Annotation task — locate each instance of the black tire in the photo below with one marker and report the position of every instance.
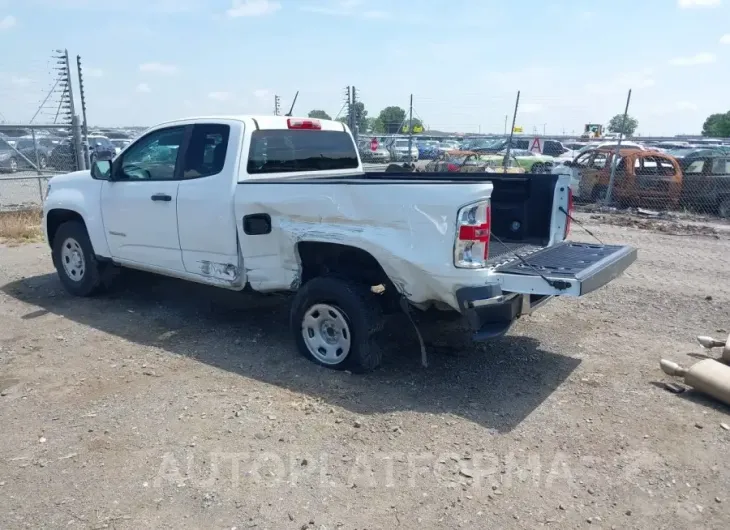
(361, 311)
(90, 278)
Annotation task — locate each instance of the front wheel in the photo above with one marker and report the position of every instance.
(75, 260)
(334, 320)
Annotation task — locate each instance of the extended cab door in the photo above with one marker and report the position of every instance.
(139, 204)
(206, 215)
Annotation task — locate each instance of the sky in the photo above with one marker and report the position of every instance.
(148, 61)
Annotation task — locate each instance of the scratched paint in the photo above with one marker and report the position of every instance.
(221, 271)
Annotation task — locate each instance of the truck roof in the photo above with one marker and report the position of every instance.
(263, 121)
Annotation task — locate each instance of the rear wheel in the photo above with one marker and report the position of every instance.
(334, 320)
(75, 261)
(13, 164)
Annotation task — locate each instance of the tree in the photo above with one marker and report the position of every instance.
(616, 122)
(390, 120)
(717, 126)
(319, 114)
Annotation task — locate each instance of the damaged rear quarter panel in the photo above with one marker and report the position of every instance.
(408, 227)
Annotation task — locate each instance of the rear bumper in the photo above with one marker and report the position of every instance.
(490, 312)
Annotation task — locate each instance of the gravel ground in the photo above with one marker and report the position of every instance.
(169, 405)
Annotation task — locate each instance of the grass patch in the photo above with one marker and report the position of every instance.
(21, 226)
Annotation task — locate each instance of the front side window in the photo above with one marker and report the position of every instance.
(285, 150)
(153, 157)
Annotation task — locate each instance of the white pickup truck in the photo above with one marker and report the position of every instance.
(274, 203)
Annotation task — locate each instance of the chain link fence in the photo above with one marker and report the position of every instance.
(29, 156)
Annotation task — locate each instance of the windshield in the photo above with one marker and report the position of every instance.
(401, 143)
(281, 151)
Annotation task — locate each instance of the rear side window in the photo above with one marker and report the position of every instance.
(283, 151)
(206, 153)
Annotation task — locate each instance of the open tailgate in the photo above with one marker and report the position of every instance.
(567, 268)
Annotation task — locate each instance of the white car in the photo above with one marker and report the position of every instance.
(281, 204)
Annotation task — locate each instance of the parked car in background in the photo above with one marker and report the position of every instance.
(101, 148)
(381, 155)
(471, 162)
(119, 144)
(8, 156)
(531, 162)
(642, 177)
(448, 145)
(706, 183)
(36, 153)
(625, 145)
(428, 149)
(63, 156)
(398, 148)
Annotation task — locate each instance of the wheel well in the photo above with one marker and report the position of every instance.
(56, 218)
(322, 259)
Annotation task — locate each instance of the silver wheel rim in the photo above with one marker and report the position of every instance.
(13, 164)
(72, 259)
(42, 162)
(326, 333)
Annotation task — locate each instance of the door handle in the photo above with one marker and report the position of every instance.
(161, 197)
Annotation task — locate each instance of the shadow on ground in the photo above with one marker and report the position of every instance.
(496, 384)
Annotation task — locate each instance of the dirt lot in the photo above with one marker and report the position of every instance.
(174, 406)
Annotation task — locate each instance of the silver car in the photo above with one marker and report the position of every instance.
(381, 155)
(399, 150)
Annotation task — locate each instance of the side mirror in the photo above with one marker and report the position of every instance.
(101, 170)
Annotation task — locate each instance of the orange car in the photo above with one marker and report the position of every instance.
(641, 176)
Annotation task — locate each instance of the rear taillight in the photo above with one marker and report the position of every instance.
(471, 249)
(570, 213)
(452, 168)
(296, 123)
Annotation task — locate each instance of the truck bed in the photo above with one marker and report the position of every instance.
(522, 203)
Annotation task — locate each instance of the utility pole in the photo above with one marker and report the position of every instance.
(85, 124)
(355, 127)
(505, 123)
(614, 162)
(410, 131)
(64, 66)
(348, 105)
(511, 133)
(277, 106)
